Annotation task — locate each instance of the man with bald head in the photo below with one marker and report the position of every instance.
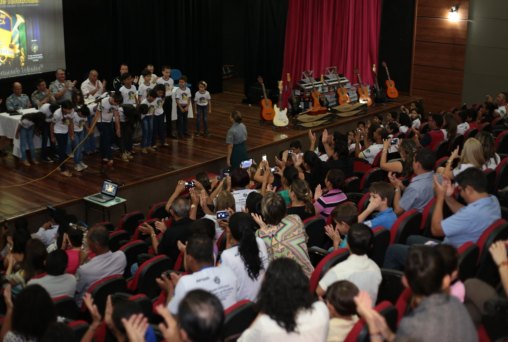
(92, 88)
(17, 100)
(60, 88)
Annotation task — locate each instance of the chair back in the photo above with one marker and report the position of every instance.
(144, 279)
(391, 286)
(157, 211)
(380, 245)
(468, 259)
(131, 250)
(407, 224)
(324, 265)
(238, 318)
(101, 289)
(130, 221)
(118, 238)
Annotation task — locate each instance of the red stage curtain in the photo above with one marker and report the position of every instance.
(323, 33)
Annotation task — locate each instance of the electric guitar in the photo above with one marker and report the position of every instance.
(379, 95)
(280, 119)
(363, 91)
(267, 113)
(391, 91)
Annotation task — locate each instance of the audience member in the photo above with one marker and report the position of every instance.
(343, 216)
(301, 200)
(287, 310)
(404, 166)
(326, 200)
(436, 134)
(373, 143)
(340, 300)
(71, 244)
(103, 264)
(471, 156)
(200, 318)
(56, 281)
(28, 317)
(357, 268)
(451, 263)
(420, 190)
(239, 181)
(381, 199)
(246, 255)
(284, 235)
(199, 263)
(492, 159)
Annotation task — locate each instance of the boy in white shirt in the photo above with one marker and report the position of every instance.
(145, 84)
(203, 105)
(159, 128)
(183, 102)
(168, 83)
(106, 116)
(130, 99)
(80, 120)
(62, 128)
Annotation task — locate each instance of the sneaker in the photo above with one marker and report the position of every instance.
(48, 160)
(125, 157)
(25, 162)
(144, 150)
(66, 173)
(151, 149)
(130, 156)
(154, 147)
(165, 144)
(115, 147)
(83, 165)
(79, 168)
(70, 155)
(196, 134)
(110, 163)
(132, 152)
(35, 162)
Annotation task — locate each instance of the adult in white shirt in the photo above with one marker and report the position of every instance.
(105, 263)
(92, 88)
(288, 311)
(248, 257)
(357, 268)
(239, 180)
(46, 233)
(199, 261)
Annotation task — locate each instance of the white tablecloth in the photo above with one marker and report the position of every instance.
(8, 126)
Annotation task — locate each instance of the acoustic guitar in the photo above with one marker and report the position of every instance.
(316, 105)
(342, 95)
(391, 91)
(363, 91)
(280, 119)
(267, 113)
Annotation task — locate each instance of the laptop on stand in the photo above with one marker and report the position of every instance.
(108, 192)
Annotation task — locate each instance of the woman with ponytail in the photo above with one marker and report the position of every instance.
(301, 200)
(246, 256)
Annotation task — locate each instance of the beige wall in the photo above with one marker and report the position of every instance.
(486, 70)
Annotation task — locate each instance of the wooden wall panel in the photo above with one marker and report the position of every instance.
(439, 30)
(439, 52)
(438, 79)
(440, 55)
(436, 9)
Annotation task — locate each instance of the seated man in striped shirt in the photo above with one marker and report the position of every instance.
(332, 196)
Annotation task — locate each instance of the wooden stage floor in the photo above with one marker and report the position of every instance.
(17, 199)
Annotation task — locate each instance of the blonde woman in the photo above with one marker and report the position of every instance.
(471, 156)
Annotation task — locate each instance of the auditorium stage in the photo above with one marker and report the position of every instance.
(151, 178)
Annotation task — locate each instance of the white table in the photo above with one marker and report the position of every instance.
(8, 126)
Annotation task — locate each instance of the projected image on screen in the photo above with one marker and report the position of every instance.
(31, 37)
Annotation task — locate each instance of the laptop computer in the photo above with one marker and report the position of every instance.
(108, 192)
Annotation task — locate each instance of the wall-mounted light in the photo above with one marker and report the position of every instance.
(453, 15)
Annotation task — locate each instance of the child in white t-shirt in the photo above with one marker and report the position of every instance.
(183, 99)
(147, 121)
(203, 106)
(130, 99)
(159, 127)
(168, 83)
(80, 120)
(146, 84)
